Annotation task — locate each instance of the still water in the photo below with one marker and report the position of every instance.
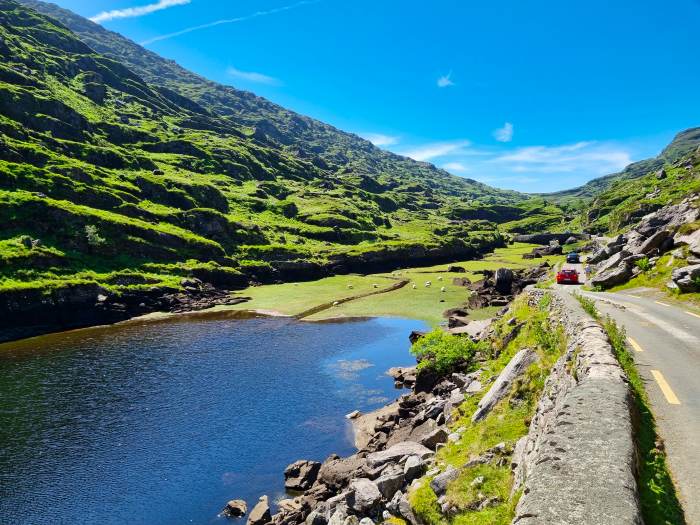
(162, 423)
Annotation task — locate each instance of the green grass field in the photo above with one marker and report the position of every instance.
(425, 303)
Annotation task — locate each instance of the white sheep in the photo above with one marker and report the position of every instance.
(443, 289)
(349, 286)
(427, 284)
(414, 287)
(440, 278)
(335, 303)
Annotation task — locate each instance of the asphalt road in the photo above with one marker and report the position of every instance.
(665, 341)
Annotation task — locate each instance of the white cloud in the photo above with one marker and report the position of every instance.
(131, 12)
(504, 134)
(379, 139)
(455, 166)
(445, 81)
(592, 157)
(223, 21)
(436, 149)
(252, 76)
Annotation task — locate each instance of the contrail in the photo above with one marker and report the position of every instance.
(257, 14)
(130, 12)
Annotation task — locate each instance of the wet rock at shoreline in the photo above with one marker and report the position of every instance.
(235, 508)
(260, 515)
(301, 475)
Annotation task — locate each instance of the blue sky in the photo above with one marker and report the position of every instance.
(533, 96)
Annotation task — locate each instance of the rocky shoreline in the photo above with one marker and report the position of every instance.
(396, 445)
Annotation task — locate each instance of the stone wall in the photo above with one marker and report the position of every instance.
(577, 465)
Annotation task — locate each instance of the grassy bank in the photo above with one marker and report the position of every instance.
(507, 423)
(425, 303)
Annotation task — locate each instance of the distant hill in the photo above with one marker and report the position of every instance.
(682, 144)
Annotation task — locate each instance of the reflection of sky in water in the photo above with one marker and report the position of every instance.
(163, 423)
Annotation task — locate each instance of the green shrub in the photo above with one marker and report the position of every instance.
(93, 236)
(443, 352)
(644, 264)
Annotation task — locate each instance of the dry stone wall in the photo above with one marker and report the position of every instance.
(577, 465)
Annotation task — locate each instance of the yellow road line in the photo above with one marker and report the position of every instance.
(665, 388)
(662, 304)
(693, 314)
(634, 344)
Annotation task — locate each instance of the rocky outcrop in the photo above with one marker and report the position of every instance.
(500, 287)
(654, 235)
(260, 515)
(500, 388)
(583, 426)
(687, 279)
(301, 475)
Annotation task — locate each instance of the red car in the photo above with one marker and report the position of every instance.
(567, 277)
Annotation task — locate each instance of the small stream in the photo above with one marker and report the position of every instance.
(162, 423)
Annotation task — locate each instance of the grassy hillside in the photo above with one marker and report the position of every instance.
(683, 143)
(107, 175)
(626, 201)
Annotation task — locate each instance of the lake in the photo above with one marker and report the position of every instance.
(163, 422)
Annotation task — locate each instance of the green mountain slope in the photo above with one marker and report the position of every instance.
(107, 177)
(625, 201)
(682, 144)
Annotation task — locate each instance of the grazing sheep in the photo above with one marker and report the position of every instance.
(443, 289)
(349, 286)
(427, 284)
(440, 278)
(335, 303)
(414, 287)
(375, 285)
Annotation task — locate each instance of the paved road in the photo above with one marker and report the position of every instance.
(665, 339)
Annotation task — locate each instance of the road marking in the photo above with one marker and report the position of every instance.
(634, 344)
(662, 304)
(663, 385)
(693, 314)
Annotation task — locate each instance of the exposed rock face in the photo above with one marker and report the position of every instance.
(517, 365)
(655, 234)
(441, 481)
(583, 424)
(364, 496)
(398, 451)
(546, 238)
(687, 279)
(301, 475)
(260, 515)
(235, 508)
(500, 288)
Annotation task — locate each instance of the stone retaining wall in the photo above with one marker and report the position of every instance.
(577, 465)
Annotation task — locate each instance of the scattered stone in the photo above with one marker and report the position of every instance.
(439, 483)
(397, 452)
(235, 508)
(364, 496)
(687, 278)
(434, 438)
(390, 481)
(260, 515)
(517, 366)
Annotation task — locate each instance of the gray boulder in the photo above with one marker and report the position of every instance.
(504, 280)
(235, 508)
(396, 452)
(613, 261)
(413, 468)
(613, 277)
(336, 472)
(687, 279)
(652, 243)
(364, 496)
(260, 515)
(517, 365)
(440, 482)
(435, 438)
(301, 475)
(390, 481)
